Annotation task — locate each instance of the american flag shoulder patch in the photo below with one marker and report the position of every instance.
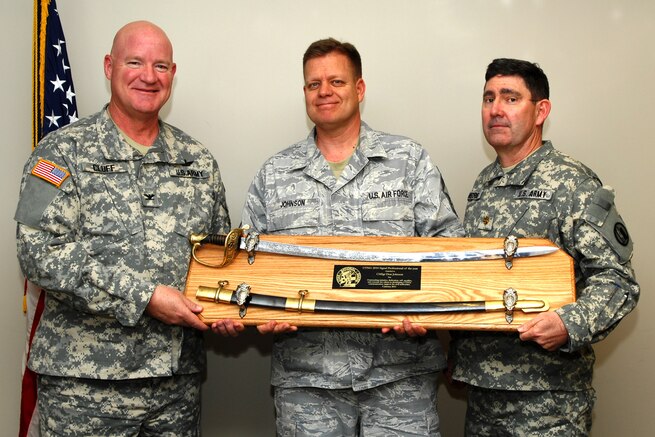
(50, 172)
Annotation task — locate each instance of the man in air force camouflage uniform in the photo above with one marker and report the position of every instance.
(347, 179)
(105, 211)
(537, 382)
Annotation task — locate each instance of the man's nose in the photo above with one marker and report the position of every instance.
(496, 108)
(148, 74)
(325, 89)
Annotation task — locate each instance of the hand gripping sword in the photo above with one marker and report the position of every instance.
(251, 243)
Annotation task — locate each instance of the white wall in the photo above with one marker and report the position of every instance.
(238, 89)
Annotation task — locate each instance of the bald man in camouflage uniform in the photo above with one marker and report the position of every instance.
(537, 382)
(348, 179)
(105, 211)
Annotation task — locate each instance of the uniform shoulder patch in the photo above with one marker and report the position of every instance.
(50, 172)
(603, 216)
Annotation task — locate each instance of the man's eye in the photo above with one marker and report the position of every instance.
(312, 86)
(133, 64)
(488, 100)
(512, 100)
(161, 68)
(338, 82)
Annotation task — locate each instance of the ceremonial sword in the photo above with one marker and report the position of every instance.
(251, 243)
(243, 298)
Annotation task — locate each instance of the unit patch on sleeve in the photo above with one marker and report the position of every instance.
(50, 172)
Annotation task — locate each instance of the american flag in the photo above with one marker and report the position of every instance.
(54, 106)
(50, 172)
(54, 93)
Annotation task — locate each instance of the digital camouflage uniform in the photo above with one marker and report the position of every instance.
(389, 187)
(548, 195)
(99, 243)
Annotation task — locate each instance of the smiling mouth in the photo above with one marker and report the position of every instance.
(145, 90)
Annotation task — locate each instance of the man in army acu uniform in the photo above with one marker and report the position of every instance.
(537, 382)
(348, 179)
(105, 211)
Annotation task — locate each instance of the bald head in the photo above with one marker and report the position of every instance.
(137, 29)
(140, 68)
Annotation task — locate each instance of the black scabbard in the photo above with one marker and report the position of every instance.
(397, 307)
(303, 304)
(244, 298)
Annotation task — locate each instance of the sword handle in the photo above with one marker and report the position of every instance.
(215, 239)
(230, 243)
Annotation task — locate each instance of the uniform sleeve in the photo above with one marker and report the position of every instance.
(254, 210)
(606, 287)
(434, 213)
(51, 256)
(221, 217)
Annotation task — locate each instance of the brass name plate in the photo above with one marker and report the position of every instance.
(381, 277)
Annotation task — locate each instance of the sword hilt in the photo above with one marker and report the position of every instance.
(215, 239)
(230, 243)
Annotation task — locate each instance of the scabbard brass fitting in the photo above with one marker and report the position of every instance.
(216, 295)
(300, 303)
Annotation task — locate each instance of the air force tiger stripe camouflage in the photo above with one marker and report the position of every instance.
(389, 187)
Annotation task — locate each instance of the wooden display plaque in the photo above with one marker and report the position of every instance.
(547, 277)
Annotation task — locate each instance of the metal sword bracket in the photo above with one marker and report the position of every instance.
(243, 298)
(223, 295)
(251, 242)
(510, 297)
(510, 245)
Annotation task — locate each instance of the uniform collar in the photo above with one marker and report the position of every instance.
(311, 159)
(520, 174)
(115, 148)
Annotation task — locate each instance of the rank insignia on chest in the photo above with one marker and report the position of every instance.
(150, 199)
(50, 172)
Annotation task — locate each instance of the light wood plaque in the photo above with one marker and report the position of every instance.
(547, 277)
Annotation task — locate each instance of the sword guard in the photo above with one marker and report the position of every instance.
(510, 245)
(230, 243)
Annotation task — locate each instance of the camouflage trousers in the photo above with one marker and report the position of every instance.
(403, 408)
(167, 406)
(502, 413)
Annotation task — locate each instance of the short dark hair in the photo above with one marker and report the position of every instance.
(326, 46)
(534, 77)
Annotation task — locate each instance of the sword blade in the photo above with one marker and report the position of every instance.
(395, 257)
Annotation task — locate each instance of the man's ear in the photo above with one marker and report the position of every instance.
(543, 109)
(360, 86)
(108, 66)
